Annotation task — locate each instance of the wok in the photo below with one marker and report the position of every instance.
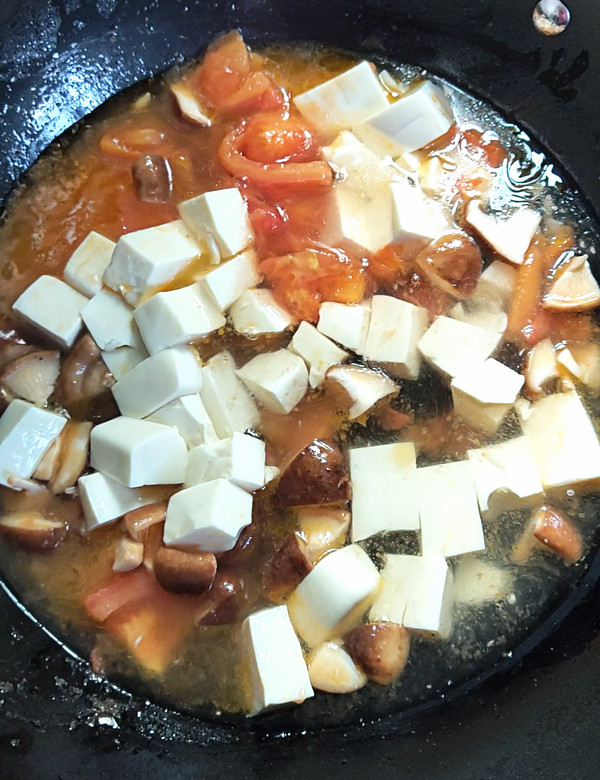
(533, 714)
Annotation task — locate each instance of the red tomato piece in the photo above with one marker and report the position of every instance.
(257, 93)
(273, 137)
(483, 147)
(123, 589)
(225, 68)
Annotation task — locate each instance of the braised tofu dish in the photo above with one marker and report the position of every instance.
(300, 375)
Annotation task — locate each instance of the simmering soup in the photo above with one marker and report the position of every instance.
(300, 370)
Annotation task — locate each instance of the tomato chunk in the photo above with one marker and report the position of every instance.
(123, 589)
(225, 68)
(274, 137)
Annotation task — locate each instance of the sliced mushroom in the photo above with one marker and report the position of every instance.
(48, 465)
(574, 288)
(128, 555)
(286, 569)
(12, 343)
(587, 357)
(242, 555)
(138, 521)
(364, 386)
(552, 529)
(541, 367)
(218, 605)
(453, 263)
(33, 376)
(33, 531)
(380, 649)
(153, 179)
(317, 475)
(72, 458)
(322, 530)
(180, 571)
(189, 105)
(332, 670)
(85, 381)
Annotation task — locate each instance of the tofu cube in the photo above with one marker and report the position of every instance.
(121, 360)
(138, 452)
(220, 220)
(110, 321)
(410, 123)
(364, 386)
(499, 278)
(505, 477)
(240, 459)
(452, 346)
(278, 670)
(189, 416)
(450, 521)
(414, 216)
(563, 441)
(256, 312)
(229, 405)
(343, 101)
(347, 324)
(157, 381)
(332, 598)
(54, 308)
(278, 380)
(416, 592)
(86, 266)
(395, 330)
(225, 284)
(360, 214)
(383, 489)
(318, 352)
(177, 317)
(105, 500)
(145, 260)
(26, 433)
(209, 516)
(509, 237)
(484, 393)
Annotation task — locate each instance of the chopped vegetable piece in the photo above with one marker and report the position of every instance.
(552, 529)
(317, 475)
(332, 669)
(180, 571)
(574, 288)
(33, 531)
(380, 650)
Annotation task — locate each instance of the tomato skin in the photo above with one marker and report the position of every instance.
(274, 137)
(301, 281)
(489, 150)
(124, 589)
(257, 93)
(225, 68)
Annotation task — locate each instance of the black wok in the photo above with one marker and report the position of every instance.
(535, 714)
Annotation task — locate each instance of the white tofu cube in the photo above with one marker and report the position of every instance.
(226, 283)
(256, 312)
(110, 321)
(121, 360)
(209, 516)
(158, 380)
(347, 324)
(26, 433)
(278, 670)
(54, 308)
(394, 332)
(365, 387)
(416, 592)
(450, 521)
(317, 351)
(509, 237)
(410, 123)
(189, 416)
(360, 215)
(343, 101)
(477, 581)
(499, 278)
(334, 595)
(278, 380)
(240, 459)
(483, 312)
(228, 403)
(505, 476)
(383, 489)
(563, 441)
(414, 216)
(86, 266)
(105, 500)
(145, 260)
(220, 219)
(138, 452)
(177, 317)
(452, 346)
(484, 393)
